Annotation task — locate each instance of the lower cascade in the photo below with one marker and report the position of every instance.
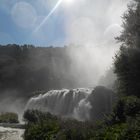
(82, 104)
(7, 133)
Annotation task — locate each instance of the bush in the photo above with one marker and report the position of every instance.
(122, 131)
(49, 127)
(35, 116)
(9, 118)
(44, 130)
(126, 107)
(44, 126)
(40, 126)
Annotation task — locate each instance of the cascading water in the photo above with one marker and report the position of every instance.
(7, 133)
(76, 103)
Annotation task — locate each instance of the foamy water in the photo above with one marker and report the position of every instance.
(11, 133)
(76, 103)
(62, 102)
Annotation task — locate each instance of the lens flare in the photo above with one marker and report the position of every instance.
(48, 16)
(51, 12)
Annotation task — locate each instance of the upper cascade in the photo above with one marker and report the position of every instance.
(76, 103)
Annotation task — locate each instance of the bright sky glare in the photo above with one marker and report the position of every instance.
(68, 1)
(47, 17)
(65, 2)
(59, 22)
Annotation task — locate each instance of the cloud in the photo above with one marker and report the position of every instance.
(24, 14)
(94, 24)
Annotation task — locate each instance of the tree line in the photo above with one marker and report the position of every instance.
(27, 68)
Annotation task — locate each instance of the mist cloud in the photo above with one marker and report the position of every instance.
(87, 20)
(94, 24)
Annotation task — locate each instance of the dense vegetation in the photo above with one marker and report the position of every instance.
(127, 62)
(9, 118)
(124, 121)
(42, 126)
(27, 69)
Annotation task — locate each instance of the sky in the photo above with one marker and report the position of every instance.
(70, 21)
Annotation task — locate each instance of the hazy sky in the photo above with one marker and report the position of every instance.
(73, 21)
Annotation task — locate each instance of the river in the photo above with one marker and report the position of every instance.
(7, 133)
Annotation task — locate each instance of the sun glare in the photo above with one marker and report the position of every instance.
(68, 1)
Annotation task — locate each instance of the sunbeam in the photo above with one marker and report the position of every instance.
(47, 17)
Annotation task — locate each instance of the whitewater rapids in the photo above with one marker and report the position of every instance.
(82, 104)
(7, 133)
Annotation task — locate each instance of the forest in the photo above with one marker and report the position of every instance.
(28, 69)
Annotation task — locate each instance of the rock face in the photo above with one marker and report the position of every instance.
(82, 104)
(101, 100)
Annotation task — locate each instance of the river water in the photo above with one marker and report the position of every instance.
(7, 133)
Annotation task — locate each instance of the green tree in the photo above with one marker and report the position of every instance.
(127, 61)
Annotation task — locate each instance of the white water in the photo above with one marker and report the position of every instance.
(66, 103)
(76, 103)
(11, 133)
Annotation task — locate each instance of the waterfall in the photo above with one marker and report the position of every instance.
(75, 103)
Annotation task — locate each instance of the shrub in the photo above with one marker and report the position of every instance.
(40, 126)
(126, 107)
(8, 118)
(53, 128)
